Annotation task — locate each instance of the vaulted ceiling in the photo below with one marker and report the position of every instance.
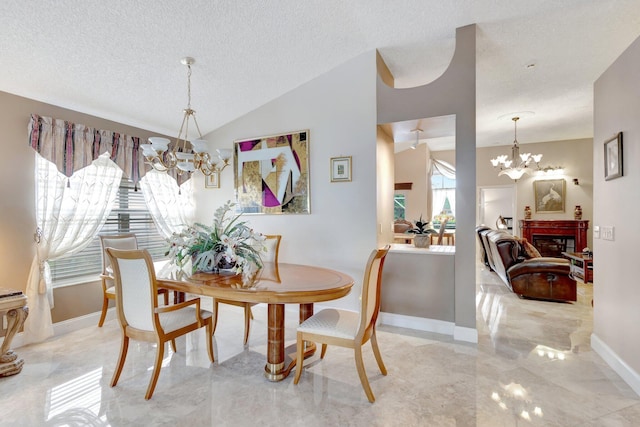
(120, 59)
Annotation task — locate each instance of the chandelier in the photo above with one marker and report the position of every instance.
(518, 164)
(180, 156)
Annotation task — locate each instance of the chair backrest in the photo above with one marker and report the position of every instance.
(443, 226)
(269, 270)
(272, 243)
(371, 290)
(117, 241)
(136, 288)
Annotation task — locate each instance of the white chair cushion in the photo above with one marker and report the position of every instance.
(174, 320)
(332, 322)
(111, 290)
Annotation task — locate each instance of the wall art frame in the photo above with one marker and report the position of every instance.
(550, 195)
(272, 174)
(213, 180)
(341, 169)
(613, 166)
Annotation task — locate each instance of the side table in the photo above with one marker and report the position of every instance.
(581, 265)
(14, 303)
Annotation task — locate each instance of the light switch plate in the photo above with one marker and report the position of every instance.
(596, 231)
(607, 232)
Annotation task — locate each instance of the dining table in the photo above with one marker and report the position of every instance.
(275, 285)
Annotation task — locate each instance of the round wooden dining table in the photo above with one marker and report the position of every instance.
(275, 285)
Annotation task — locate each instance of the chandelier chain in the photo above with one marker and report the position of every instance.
(185, 155)
(189, 86)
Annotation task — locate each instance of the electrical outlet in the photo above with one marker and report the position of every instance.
(607, 232)
(596, 231)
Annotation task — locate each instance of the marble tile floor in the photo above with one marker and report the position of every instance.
(533, 365)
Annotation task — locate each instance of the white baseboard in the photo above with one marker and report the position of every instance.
(417, 323)
(465, 334)
(67, 326)
(621, 368)
(85, 321)
(459, 333)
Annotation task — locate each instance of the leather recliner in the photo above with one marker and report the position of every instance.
(543, 278)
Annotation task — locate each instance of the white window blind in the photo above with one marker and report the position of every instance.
(129, 215)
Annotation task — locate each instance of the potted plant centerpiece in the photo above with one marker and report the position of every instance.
(226, 244)
(422, 233)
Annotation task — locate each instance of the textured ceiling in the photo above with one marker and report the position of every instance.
(120, 59)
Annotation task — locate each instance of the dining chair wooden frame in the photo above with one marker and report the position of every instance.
(117, 241)
(248, 314)
(347, 328)
(158, 324)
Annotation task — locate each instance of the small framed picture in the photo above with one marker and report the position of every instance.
(613, 157)
(213, 180)
(341, 169)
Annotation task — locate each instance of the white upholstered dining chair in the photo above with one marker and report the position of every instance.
(347, 328)
(272, 243)
(140, 316)
(118, 241)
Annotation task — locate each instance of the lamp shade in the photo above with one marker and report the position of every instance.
(225, 153)
(159, 143)
(199, 145)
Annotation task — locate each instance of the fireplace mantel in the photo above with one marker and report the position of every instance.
(556, 229)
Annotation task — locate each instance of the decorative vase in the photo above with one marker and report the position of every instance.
(577, 213)
(422, 240)
(527, 212)
(223, 264)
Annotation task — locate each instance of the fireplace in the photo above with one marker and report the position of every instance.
(553, 246)
(552, 237)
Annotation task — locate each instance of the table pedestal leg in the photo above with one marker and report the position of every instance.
(9, 362)
(274, 369)
(279, 361)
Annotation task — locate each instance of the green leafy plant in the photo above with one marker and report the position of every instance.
(422, 227)
(228, 242)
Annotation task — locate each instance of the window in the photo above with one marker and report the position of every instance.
(129, 215)
(444, 198)
(399, 206)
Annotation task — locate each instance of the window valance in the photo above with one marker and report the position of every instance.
(72, 146)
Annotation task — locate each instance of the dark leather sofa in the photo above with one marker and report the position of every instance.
(527, 276)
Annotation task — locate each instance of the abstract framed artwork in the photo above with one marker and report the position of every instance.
(613, 157)
(549, 195)
(272, 174)
(340, 169)
(213, 180)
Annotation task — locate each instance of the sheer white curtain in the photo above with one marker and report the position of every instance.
(171, 207)
(69, 213)
(438, 196)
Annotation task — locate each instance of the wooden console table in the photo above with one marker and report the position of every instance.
(581, 265)
(550, 236)
(14, 303)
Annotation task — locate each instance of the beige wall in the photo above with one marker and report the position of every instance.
(17, 203)
(576, 156)
(411, 166)
(616, 294)
(385, 170)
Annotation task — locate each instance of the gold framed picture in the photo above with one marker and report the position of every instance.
(341, 169)
(549, 195)
(213, 180)
(272, 174)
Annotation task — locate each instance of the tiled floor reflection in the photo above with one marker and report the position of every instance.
(533, 365)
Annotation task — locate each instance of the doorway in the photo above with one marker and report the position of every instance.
(495, 202)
